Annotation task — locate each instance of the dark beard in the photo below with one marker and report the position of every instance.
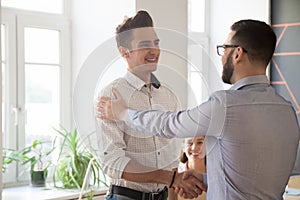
(228, 69)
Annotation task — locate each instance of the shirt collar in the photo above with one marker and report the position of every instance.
(137, 83)
(250, 80)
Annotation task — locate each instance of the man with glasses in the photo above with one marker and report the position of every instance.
(251, 133)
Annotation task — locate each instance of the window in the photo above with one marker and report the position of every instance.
(35, 79)
(49, 6)
(196, 16)
(4, 62)
(198, 51)
(42, 82)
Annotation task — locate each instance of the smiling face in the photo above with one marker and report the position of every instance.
(144, 52)
(195, 148)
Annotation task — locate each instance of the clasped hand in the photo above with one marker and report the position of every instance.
(189, 184)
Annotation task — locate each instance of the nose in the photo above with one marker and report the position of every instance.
(193, 147)
(196, 148)
(154, 50)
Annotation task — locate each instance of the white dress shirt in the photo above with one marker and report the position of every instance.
(118, 144)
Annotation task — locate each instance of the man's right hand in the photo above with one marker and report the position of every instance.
(189, 184)
(111, 109)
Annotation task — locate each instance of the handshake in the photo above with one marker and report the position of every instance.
(188, 184)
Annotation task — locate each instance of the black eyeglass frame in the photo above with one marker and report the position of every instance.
(225, 46)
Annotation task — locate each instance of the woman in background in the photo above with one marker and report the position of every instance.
(192, 156)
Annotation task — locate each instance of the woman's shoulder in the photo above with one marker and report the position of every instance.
(182, 167)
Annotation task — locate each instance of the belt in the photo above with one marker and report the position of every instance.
(138, 195)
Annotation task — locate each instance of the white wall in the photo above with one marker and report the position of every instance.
(172, 14)
(223, 14)
(94, 22)
(93, 26)
(171, 17)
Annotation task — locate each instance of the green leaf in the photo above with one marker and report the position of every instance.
(73, 160)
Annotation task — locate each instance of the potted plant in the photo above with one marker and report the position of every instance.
(39, 161)
(73, 161)
(9, 156)
(36, 156)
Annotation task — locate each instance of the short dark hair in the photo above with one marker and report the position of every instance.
(257, 37)
(140, 20)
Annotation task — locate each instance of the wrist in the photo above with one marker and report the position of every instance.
(173, 179)
(122, 115)
(164, 177)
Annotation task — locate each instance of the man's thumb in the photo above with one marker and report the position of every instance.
(116, 93)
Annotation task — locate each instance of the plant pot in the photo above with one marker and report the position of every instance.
(38, 178)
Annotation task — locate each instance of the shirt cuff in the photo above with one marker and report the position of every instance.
(129, 113)
(205, 179)
(115, 169)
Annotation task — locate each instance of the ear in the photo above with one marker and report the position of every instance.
(237, 55)
(124, 51)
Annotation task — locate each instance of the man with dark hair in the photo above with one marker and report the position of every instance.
(141, 167)
(251, 133)
(140, 20)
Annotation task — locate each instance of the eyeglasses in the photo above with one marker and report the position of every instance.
(221, 48)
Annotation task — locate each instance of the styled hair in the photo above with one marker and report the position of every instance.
(257, 37)
(140, 20)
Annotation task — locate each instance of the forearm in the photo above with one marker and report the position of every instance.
(168, 124)
(191, 186)
(138, 173)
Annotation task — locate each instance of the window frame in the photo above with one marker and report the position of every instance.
(200, 39)
(16, 21)
(10, 90)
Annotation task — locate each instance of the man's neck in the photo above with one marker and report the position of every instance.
(146, 77)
